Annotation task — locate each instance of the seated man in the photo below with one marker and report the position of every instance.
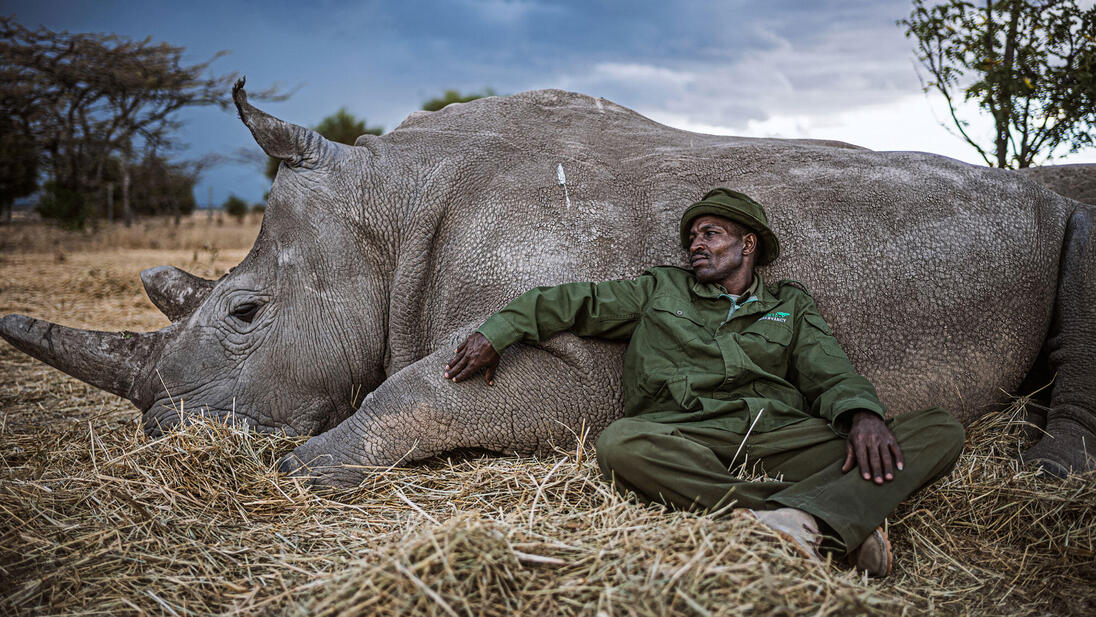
(722, 369)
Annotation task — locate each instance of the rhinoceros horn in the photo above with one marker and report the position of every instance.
(113, 361)
(175, 292)
(292, 144)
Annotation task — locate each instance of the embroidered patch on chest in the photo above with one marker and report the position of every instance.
(780, 316)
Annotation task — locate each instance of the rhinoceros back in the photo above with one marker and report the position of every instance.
(918, 262)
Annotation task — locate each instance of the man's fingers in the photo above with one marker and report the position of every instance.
(468, 370)
(456, 368)
(888, 465)
(899, 462)
(862, 460)
(876, 449)
(850, 458)
(458, 355)
(489, 375)
(876, 464)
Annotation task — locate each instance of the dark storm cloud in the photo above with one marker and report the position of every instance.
(718, 63)
(797, 58)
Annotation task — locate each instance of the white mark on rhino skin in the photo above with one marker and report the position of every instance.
(563, 182)
(288, 256)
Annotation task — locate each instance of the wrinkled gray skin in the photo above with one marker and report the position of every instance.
(942, 280)
(1077, 181)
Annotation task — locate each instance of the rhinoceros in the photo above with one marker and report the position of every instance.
(946, 283)
(1076, 181)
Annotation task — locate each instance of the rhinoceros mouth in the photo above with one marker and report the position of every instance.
(166, 415)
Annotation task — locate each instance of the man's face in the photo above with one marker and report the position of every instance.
(718, 248)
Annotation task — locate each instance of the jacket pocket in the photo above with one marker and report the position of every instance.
(767, 346)
(671, 308)
(678, 389)
(669, 328)
(772, 332)
(665, 395)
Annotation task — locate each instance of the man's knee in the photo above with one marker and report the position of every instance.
(610, 445)
(616, 447)
(951, 430)
(938, 428)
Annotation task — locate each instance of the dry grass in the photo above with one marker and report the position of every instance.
(96, 518)
(194, 232)
(97, 290)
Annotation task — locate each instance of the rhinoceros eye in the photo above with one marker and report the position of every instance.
(246, 311)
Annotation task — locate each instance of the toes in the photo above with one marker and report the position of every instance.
(288, 465)
(1046, 461)
(1050, 468)
(320, 471)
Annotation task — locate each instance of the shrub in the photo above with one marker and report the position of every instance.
(67, 207)
(235, 207)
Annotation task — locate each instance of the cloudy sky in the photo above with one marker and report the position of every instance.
(834, 69)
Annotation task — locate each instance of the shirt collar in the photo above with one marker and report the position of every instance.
(714, 290)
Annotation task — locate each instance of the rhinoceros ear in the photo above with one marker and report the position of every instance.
(295, 145)
(175, 292)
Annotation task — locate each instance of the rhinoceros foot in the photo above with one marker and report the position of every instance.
(317, 468)
(289, 464)
(1063, 450)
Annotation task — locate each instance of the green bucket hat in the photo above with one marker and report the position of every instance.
(740, 209)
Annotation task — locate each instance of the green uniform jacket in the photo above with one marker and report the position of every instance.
(692, 358)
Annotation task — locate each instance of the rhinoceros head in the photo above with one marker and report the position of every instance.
(291, 339)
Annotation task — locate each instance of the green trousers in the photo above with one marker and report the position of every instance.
(686, 466)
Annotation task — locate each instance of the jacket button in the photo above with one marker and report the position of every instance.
(680, 313)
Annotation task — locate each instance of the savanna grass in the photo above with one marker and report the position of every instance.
(193, 232)
(98, 518)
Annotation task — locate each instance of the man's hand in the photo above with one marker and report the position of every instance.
(872, 447)
(473, 354)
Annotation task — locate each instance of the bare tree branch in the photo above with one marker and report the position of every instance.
(90, 99)
(1029, 64)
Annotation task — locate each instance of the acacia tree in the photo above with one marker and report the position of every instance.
(1029, 64)
(19, 153)
(87, 97)
(454, 96)
(342, 127)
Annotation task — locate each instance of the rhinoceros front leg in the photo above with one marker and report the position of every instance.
(1070, 440)
(542, 397)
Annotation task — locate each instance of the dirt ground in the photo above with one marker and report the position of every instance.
(96, 518)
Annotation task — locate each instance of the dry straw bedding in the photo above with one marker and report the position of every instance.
(96, 518)
(99, 519)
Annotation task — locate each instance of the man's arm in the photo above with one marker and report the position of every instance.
(607, 310)
(823, 372)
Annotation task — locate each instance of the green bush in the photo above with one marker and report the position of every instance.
(67, 207)
(236, 207)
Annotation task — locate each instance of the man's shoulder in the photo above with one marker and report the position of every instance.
(671, 279)
(673, 273)
(787, 289)
(784, 287)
